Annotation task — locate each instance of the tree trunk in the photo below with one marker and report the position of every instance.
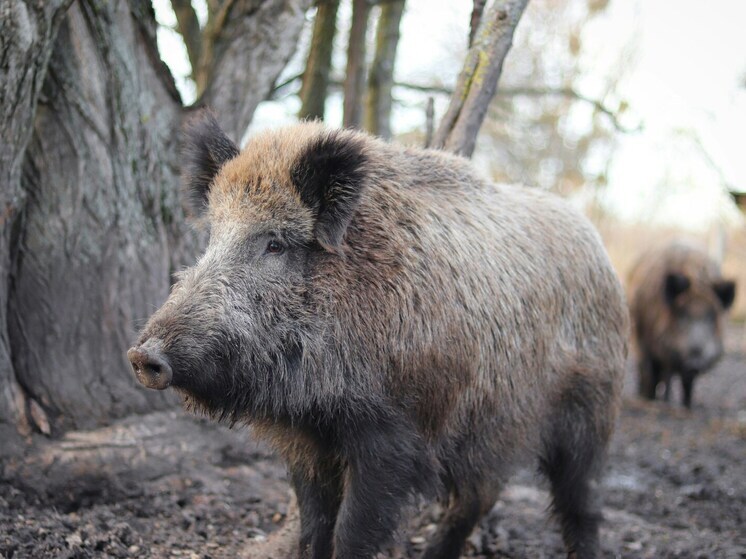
(93, 255)
(477, 82)
(27, 32)
(245, 53)
(316, 76)
(354, 85)
(92, 223)
(381, 79)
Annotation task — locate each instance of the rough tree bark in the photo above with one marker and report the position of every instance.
(27, 32)
(93, 254)
(381, 78)
(316, 76)
(94, 227)
(477, 82)
(354, 84)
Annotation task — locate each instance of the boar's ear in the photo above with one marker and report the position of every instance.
(725, 291)
(675, 285)
(330, 175)
(205, 149)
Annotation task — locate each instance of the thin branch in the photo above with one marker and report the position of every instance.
(187, 25)
(504, 92)
(429, 121)
(210, 36)
(477, 82)
(476, 18)
(572, 94)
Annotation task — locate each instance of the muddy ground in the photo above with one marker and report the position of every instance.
(168, 485)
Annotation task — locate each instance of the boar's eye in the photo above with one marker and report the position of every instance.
(274, 247)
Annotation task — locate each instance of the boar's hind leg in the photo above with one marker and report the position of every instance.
(572, 459)
(318, 487)
(387, 465)
(465, 508)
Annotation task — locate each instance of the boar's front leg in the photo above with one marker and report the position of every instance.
(687, 384)
(318, 488)
(387, 465)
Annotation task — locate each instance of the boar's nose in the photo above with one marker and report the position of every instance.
(151, 367)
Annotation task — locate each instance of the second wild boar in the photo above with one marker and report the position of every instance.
(678, 300)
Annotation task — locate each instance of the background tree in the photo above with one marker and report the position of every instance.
(381, 78)
(354, 82)
(315, 80)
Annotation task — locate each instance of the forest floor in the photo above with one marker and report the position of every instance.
(169, 485)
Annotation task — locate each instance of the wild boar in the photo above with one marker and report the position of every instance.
(395, 326)
(678, 300)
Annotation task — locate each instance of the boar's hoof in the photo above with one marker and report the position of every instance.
(151, 367)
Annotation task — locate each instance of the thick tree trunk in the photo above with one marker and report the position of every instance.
(381, 79)
(27, 32)
(92, 223)
(316, 76)
(92, 254)
(354, 85)
(477, 82)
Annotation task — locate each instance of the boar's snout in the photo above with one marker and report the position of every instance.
(151, 366)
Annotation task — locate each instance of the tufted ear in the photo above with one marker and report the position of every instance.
(330, 175)
(205, 149)
(675, 285)
(725, 291)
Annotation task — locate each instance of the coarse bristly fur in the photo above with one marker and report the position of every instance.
(678, 300)
(396, 325)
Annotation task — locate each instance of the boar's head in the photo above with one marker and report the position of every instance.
(694, 336)
(243, 328)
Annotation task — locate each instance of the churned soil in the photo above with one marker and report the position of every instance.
(169, 485)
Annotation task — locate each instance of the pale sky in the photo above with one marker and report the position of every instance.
(684, 80)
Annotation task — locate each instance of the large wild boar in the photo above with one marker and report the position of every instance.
(678, 301)
(395, 326)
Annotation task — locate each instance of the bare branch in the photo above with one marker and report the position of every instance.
(318, 65)
(429, 121)
(215, 27)
(477, 82)
(476, 18)
(187, 25)
(504, 92)
(573, 94)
